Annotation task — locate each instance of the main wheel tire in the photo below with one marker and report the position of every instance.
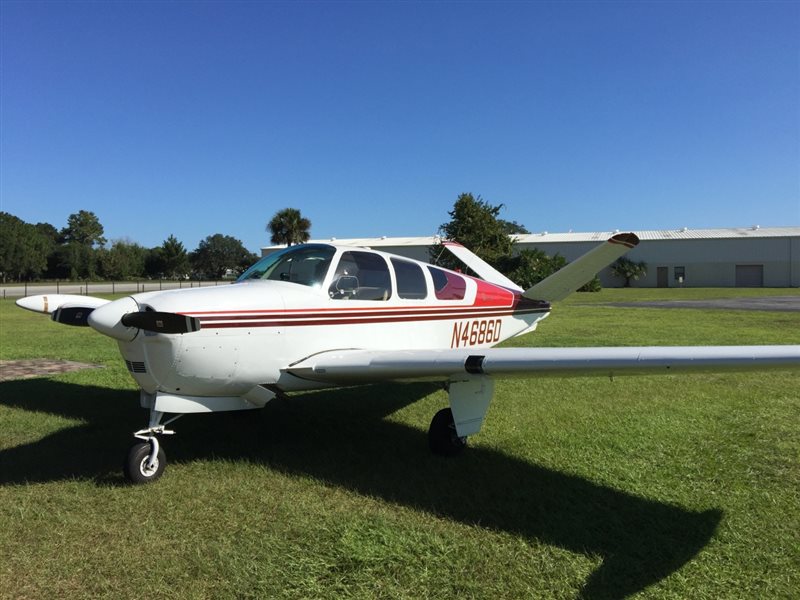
(136, 469)
(442, 436)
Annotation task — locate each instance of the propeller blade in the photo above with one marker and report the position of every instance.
(161, 322)
(73, 315)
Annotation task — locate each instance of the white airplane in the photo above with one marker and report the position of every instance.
(318, 315)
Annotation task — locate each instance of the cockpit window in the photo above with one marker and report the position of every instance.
(361, 276)
(306, 264)
(448, 286)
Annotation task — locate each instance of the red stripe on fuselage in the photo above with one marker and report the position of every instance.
(354, 316)
(277, 322)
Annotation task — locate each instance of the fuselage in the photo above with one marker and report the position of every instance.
(312, 299)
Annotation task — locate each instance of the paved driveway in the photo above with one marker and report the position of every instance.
(19, 291)
(771, 303)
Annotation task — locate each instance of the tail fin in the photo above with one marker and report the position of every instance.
(565, 281)
(481, 267)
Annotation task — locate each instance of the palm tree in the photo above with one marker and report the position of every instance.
(289, 227)
(629, 269)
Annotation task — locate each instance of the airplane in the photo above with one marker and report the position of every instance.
(317, 316)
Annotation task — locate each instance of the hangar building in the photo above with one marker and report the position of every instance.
(746, 257)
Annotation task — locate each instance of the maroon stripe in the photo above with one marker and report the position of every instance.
(264, 322)
(467, 310)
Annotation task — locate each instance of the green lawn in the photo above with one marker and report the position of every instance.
(662, 487)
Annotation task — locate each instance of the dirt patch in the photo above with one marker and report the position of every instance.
(39, 367)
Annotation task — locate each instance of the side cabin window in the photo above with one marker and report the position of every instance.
(305, 265)
(448, 286)
(361, 276)
(410, 280)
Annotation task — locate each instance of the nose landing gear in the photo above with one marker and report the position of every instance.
(146, 459)
(144, 462)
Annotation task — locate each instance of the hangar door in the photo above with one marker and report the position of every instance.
(662, 276)
(749, 275)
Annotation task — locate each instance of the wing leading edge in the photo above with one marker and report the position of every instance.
(365, 366)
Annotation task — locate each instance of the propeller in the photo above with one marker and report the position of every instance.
(73, 315)
(161, 322)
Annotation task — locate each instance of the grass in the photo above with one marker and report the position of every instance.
(658, 487)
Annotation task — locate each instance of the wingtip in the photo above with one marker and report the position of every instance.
(626, 239)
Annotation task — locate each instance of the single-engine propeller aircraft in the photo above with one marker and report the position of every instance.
(318, 315)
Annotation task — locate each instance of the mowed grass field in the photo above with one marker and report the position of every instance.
(657, 487)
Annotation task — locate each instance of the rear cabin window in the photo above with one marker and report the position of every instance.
(361, 276)
(448, 286)
(410, 280)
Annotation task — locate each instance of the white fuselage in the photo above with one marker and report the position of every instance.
(254, 330)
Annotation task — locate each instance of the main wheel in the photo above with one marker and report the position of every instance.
(137, 469)
(442, 436)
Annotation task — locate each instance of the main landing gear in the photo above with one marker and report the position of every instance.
(146, 459)
(469, 398)
(442, 437)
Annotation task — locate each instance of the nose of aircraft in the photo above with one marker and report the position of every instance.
(107, 319)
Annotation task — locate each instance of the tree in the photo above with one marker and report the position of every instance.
(169, 260)
(530, 266)
(593, 285)
(289, 227)
(512, 227)
(23, 248)
(474, 224)
(218, 254)
(73, 261)
(77, 258)
(124, 260)
(49, 232)
(629, 269)
(83, 228)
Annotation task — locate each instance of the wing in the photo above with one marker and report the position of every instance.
(345, 367)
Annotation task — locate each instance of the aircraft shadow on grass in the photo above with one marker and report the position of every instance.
(342, 438)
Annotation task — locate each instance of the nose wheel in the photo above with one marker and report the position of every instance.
(144, 463)
(146, 459)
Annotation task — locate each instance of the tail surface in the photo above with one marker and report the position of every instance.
(561, 283)
(565, 281)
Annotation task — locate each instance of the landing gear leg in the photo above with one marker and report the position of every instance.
(469, 398)
(146, 459)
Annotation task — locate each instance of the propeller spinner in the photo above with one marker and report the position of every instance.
(122, 319)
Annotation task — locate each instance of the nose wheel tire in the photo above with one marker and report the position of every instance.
(138, 467)
(442, 436)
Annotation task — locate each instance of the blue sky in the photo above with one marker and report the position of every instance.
(195, 118)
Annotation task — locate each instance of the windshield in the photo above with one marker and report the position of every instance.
(306, 264)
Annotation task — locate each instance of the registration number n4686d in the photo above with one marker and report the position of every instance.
(474, 333)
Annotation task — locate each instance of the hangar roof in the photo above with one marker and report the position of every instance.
(667, 234)
(597, 236)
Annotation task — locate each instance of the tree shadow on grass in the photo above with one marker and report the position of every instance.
(343, 439)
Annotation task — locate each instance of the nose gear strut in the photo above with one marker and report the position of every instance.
(146, 459)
